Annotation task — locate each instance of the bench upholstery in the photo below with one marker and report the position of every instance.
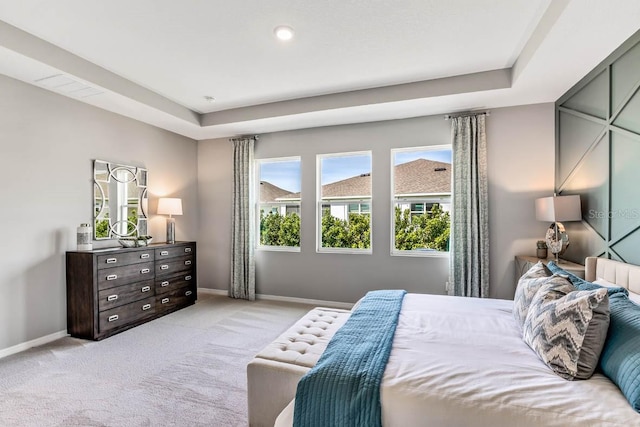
(273, 374)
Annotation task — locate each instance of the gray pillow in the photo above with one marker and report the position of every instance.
(567, 328)
(527, 287)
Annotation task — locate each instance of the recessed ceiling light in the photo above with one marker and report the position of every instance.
(209, 98)
(283, 32)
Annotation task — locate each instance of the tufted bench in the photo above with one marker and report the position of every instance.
(273, 374)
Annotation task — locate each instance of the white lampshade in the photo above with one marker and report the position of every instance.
(169, 206)
(559, 208)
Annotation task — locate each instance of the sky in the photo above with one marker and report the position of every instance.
(286, 174)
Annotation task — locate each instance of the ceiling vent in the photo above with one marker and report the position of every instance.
(68, 86)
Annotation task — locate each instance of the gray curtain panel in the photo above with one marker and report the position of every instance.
(469, 251)
(243, 277)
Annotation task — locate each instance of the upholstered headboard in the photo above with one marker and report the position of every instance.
(620, 273)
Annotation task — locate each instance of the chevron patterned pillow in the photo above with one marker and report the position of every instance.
(527, 287)
(567, 328)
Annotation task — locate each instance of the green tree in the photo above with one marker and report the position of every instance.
(428, 231)
(279, 230)
(102, 228)
(289, 234)
(338, 233)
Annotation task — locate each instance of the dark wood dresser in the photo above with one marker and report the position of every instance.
(109, 291)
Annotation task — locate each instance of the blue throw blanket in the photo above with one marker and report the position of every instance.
(343, 389)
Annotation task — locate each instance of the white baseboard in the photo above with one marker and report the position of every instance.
(213, 291)
(33, 343)
(317, 302)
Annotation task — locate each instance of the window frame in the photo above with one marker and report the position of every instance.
(342, 201)
(423, 198)
(257, 165)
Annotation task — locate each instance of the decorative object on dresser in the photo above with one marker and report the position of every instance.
(556, 209)
(170, 206)
(109, 291)
(541, 249)
(524, 263)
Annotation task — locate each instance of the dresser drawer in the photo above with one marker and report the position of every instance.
(174, 265)
(121, 295)
(117, 276)
(176, 298)
(175, 251)
(167, 284)
(117, 259)
(121, 316)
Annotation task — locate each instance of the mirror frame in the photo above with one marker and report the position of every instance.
(130, 185)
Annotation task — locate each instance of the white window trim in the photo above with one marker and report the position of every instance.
(437, 197)
(320, 201)
(257, 163)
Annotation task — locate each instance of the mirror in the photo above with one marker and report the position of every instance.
(119, 200)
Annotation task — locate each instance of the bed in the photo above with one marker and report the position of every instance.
(462, 362)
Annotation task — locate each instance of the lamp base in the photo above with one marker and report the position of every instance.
(171, 230)
(557, 240)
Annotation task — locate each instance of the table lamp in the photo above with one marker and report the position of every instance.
(170, 206)
(557, 209)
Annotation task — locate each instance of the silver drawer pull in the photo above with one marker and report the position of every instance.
(146, 288)
(164, 300)
(144, 256)
(187, 262)
(188, 293)
(112, 297)
(113, 318)
(187, 249)
(112, 260)
(165, 283)
(146, 307)
(144, 271)
(112, 277)
(164, 267)
(187, 277)
(164, 252)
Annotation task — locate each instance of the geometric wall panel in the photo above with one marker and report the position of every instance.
(607, 177)
(615, 256)
(591, 182)
(624, 76)
(627, 248)
(592, 99)
(629, 118)
(577, 135)
(625, 185)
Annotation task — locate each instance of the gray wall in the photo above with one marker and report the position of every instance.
(598, 153)
(520, 150)
(48, 143)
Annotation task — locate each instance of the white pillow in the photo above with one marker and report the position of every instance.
(607, 284)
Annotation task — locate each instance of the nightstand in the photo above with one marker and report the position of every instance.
(524, 263)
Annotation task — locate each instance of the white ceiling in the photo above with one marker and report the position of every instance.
(350, 60)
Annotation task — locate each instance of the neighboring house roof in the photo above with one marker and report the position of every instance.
(271, 193)
(350, 187)
(418, 177)
(423, 176)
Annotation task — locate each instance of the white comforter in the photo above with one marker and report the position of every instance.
(462, 362)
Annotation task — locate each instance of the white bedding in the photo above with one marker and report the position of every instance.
(462, 362)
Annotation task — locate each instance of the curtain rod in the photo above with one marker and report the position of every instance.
(467, 114)
(244, 137)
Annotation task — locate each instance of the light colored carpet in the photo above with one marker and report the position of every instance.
(184, 369)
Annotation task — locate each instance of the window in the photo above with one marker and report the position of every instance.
(421, 200)
(344, 202)
(278, 207)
